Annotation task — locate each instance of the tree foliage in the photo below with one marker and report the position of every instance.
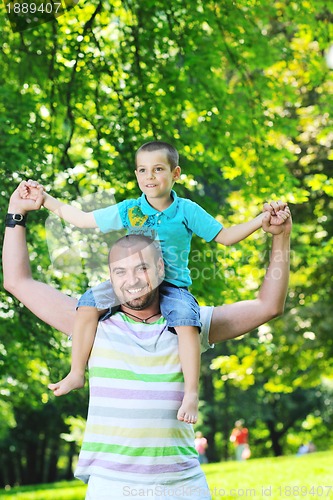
(241, 88)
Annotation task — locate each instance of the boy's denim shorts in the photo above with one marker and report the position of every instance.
(100, 296)
(178, 306)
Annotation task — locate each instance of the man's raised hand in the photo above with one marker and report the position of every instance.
(27, 197)
(30, 190)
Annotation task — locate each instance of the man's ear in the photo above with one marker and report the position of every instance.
(160, 268)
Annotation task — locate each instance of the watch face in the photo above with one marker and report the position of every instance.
(18, 217)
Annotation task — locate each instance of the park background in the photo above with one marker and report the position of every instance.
(243, 90)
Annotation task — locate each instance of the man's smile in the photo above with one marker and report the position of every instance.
(135, 291)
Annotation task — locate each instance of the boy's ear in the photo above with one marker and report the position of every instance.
(176, 173)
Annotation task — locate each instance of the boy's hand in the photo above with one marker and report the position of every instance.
(277, 222)
(278, 210)
(30, 190)
(22, 205)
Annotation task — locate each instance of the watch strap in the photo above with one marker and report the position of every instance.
(13, 220)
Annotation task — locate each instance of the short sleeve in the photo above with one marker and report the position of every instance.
(206, 313)
(201, 222)
(109, 218)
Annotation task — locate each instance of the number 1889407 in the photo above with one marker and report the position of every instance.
(33, 8)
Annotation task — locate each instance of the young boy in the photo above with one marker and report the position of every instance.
(174, 220)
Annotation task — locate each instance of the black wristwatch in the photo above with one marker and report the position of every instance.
(13, 220)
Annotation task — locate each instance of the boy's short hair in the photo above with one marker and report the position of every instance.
(172, 153)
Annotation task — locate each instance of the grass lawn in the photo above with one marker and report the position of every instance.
(65, 490)
(306, 477)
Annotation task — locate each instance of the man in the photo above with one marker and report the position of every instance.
(133, 444)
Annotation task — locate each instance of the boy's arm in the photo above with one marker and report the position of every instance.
(69, 213)
(231, 235)
(232, 320)
(234, 234)
(29, 190)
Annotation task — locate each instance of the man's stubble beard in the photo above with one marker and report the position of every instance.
(141, 303)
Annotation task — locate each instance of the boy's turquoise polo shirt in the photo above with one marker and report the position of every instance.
(173, 228)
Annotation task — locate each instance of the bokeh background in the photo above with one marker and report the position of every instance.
(243, 89)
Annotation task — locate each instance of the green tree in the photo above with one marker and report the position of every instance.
(241, 88)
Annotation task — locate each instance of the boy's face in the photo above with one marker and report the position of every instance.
(154, 174)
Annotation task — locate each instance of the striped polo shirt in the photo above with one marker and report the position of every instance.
(136, 387)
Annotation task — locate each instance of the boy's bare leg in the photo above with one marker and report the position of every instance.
(85, 325)
(189, 354)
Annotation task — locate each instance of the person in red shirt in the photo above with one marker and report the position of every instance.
(201, 445)
(240, 438)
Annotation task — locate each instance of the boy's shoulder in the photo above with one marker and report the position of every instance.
(185, 202)
(130, 202)
(180, 199)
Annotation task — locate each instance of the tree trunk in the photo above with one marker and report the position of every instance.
(275, 438)
(208, 389)
(53, 460)
(71, 454)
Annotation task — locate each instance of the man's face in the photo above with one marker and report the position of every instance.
(135, 275)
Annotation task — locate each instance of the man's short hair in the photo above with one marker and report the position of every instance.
(138, 240)
(171, 152)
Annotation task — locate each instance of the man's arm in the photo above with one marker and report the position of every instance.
(48, 304)
(232, 320)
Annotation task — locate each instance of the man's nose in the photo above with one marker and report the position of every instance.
(131, 277)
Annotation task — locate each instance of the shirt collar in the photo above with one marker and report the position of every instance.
(170, 212)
